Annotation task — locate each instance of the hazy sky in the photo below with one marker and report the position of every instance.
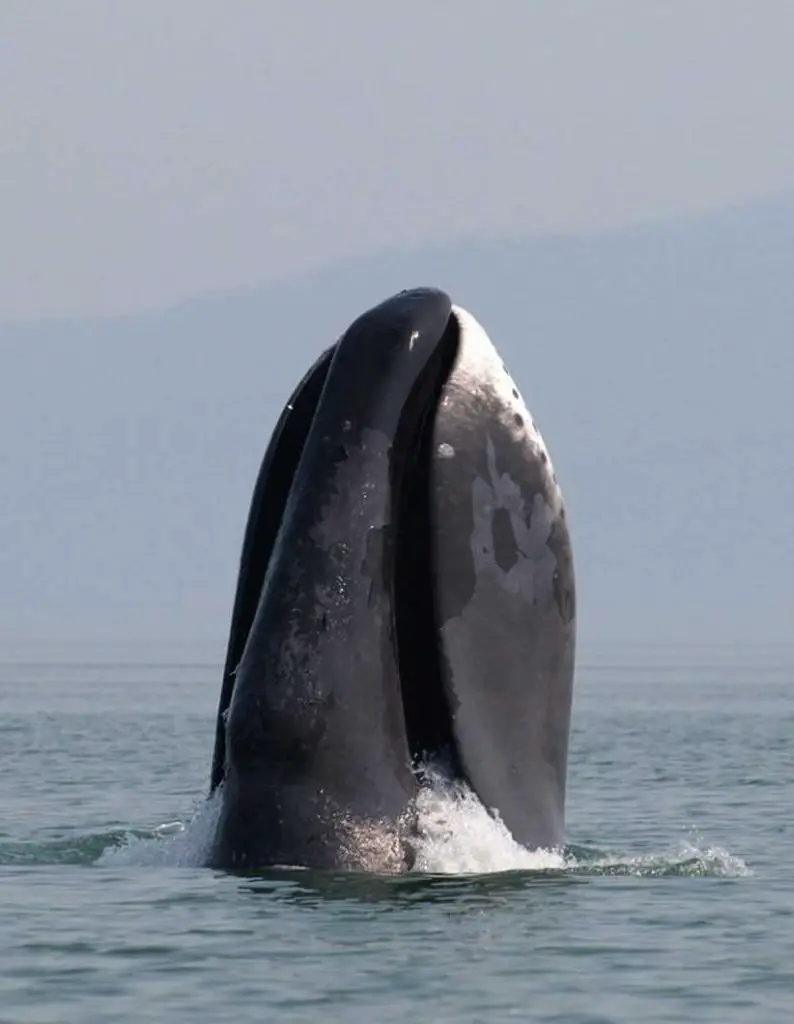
(150, 150)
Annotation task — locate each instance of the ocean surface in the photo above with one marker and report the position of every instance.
(673, 901)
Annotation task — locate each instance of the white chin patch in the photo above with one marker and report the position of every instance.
(481, 366)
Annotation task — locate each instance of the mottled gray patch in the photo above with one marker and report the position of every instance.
(532, 569)
(505, 549)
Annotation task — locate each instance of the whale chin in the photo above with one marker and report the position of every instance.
(405, 594)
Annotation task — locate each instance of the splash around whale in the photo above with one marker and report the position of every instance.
(405, 596)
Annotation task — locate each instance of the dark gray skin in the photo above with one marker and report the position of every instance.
(406, 590)
(264, 519)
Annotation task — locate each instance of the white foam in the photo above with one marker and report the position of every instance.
(173, 844)
(686, 859)
(457, 837)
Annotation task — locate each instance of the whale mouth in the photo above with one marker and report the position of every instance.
(417, 629)
(405, 603)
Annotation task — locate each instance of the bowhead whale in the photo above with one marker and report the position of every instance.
(405, 593)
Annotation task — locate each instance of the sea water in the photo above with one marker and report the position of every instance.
(673, 900)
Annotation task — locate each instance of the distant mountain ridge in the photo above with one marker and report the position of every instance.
(657, 361)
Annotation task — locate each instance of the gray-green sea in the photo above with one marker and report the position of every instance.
(673, 901)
